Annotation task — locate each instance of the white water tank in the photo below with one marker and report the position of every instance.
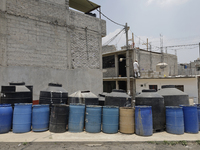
(163, 68)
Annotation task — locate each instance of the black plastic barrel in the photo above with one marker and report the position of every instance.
(143, 120)
(190, 114)
(59, 118)
(16, 93)
(173, 96)
(54, 94)
(152, 98)
(174, 120)
(118, 98)
(83, 97)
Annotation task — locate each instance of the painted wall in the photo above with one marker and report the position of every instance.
(190, 85)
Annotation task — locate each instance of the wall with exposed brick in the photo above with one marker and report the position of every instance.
(47, 34)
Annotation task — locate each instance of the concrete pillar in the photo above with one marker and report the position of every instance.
(117, 85)
(198, 85)
(116, 66)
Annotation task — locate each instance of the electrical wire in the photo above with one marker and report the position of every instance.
(109, 41)
(105, 15)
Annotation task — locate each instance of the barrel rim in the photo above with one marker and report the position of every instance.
(5, 105)
(111, 106)
(40, 105)
(143, 106)
(94, 106)
(173, 107)
(60, 105)
(22, 104)
(76, 104)
(126, 108)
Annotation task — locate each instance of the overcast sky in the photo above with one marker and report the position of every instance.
(178, 21)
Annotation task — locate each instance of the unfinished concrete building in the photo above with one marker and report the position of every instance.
(114, 67)
(44, 41)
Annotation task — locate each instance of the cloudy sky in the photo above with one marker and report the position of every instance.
(178, 21)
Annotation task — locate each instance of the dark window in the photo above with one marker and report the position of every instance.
(108, 86)
(153, 87)
(198, 68)
(122, 85)
(180, 87)
(109, 61)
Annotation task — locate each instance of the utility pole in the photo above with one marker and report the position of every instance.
(161, 48)
(150, 57)
(199, 49)
(127, 60)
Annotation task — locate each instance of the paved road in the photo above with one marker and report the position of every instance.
(102, 146)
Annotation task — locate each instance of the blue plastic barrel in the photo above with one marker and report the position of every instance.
(110, 121)
(174, 120)
(22, 117)
(198, 109)
(143, 120)
(6, 113)
(76, 117)
(93, 119)
(190, 114)
(40, 117)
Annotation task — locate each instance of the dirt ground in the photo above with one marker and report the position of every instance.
(165, 145)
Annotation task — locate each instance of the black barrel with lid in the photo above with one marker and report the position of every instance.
(118, 98)
(54, 94)
(173, 96)
(16, 93)
(152, 98)
(83, 97)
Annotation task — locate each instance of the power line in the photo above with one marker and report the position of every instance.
(109, 41)
(105, 15)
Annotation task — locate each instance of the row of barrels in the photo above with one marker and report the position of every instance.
(109, 119)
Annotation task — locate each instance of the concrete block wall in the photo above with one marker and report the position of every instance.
(47, 34)
(109, 72)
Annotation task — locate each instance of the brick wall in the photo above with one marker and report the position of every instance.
(46, 33)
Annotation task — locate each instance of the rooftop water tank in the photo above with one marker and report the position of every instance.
(54, 94)
(16, 93)
(84, 97)
(118, 98)
(173, 96)
(163, 67)
(152, 98)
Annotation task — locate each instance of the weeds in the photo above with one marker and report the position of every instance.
(198, 142)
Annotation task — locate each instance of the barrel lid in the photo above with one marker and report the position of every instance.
(55, 84)
(83, 94)
(149, 94)
(173, 107)
(55, 87)
(118, 93)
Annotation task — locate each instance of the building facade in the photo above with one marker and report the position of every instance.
(114, 67)
(44, 41)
